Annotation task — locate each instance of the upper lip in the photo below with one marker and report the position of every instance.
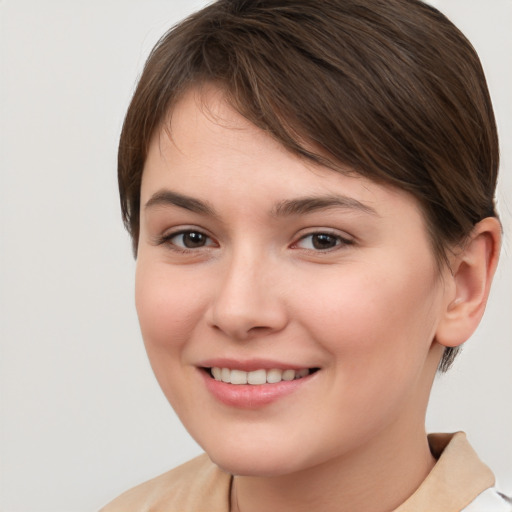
(250, 365)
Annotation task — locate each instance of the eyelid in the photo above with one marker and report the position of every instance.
(343, 240)
(167, 236)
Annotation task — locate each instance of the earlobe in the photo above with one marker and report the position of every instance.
(473, 268)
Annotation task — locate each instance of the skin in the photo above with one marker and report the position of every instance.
(366, 310)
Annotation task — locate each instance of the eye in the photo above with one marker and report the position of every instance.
(189, 239)
(321, 241)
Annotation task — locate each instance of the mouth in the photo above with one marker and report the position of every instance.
(257, 377)
(256, 383)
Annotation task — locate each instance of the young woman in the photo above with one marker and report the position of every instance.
(310, 191)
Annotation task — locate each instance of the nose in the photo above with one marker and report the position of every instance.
(249, 300)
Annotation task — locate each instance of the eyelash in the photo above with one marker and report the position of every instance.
(338, 239)
(167, 240)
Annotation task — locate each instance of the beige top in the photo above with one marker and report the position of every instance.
(200, 486)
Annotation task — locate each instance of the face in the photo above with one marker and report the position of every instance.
(288, 310)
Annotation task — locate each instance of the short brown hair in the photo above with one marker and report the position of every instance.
(390, 89)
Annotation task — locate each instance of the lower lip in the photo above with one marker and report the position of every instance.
(249, 396)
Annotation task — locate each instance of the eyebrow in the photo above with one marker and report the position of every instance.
(168, 198)
(286, 208)
(306, 205)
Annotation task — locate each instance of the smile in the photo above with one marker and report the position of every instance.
(254, 387)
(257, 377)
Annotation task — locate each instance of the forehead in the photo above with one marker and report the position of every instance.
(207, 147)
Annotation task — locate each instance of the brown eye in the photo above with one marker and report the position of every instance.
(190, 240)
(321, 241)
(324, 241)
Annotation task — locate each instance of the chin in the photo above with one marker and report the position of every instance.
(256, 460)
(251, 467)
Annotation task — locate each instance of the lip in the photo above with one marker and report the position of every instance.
(249, 396)
(249, 365)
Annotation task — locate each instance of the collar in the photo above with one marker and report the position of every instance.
(458, 477)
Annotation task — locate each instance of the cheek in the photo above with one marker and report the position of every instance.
(169, 307)
(369, 316)
(378, 334)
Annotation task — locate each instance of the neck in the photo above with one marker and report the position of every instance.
(375, 478)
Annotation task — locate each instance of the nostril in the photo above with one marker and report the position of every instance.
(259, 329)
(242, 309)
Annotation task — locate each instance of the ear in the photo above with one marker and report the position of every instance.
(472, 270)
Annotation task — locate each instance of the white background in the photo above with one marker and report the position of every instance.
(82, 418)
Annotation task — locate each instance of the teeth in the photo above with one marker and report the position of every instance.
(289, 375)
(301, 373)
(274, 376)
(225, 375)
(257, 377)
(238, 377)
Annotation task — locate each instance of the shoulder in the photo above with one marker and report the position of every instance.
(490, 501)
(195, 486)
